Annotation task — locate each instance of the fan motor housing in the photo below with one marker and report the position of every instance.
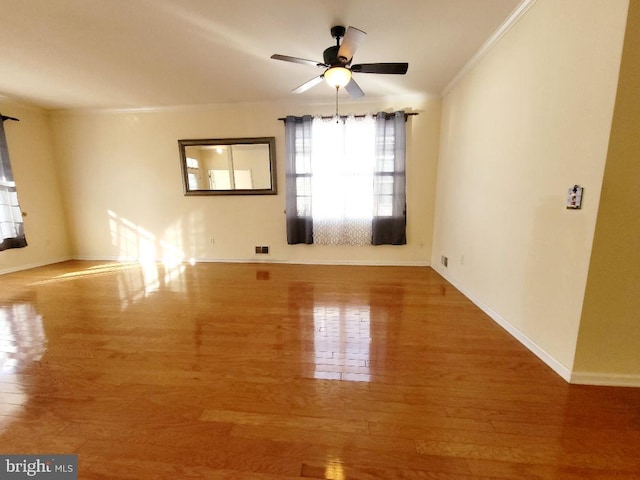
(330, 56)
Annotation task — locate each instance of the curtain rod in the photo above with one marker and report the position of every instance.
(406, 115)
(4, 117)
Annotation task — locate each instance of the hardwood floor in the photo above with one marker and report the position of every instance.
(268, 371)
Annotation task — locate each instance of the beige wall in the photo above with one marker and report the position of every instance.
(34, 169)
(609, 340)
(531, 120)
(123, 187)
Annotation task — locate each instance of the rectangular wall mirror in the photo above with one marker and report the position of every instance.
(228, 166)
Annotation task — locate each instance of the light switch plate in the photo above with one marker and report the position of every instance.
(574, 198)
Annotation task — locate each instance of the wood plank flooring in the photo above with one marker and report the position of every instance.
(268, 371)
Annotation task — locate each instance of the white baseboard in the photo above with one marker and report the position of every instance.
(363, 263)
(605, 379)
(536, 349)
(29, 266)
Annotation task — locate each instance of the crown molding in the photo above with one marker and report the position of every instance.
(486, 47)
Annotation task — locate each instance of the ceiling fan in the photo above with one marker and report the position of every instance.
(337, 63)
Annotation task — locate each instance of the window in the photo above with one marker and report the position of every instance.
(193, 167)
(346, 180)
(11, 226)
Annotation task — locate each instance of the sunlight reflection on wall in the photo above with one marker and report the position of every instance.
(134, 243)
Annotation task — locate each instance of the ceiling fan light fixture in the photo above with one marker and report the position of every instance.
(337, 76)
(337, 63)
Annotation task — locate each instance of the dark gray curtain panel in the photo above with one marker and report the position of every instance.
(298, 179)
(11, 224)
(390, 211)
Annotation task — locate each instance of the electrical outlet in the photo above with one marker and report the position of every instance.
(444, 260)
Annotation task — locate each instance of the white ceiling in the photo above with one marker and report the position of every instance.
(65, 54)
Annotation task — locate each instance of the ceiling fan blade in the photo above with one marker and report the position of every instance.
(307, 85)
(353, 89)
(388, 68)
(350, 43)
(303, 61)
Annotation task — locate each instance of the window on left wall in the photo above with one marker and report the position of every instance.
(11, 223)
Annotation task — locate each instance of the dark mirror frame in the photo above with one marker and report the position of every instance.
(269, 141)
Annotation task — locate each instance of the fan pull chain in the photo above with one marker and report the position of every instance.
(337, 114)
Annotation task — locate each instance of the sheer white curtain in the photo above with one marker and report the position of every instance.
(11, 226)
(342, 182)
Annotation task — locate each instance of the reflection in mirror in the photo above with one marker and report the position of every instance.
(233, 166)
